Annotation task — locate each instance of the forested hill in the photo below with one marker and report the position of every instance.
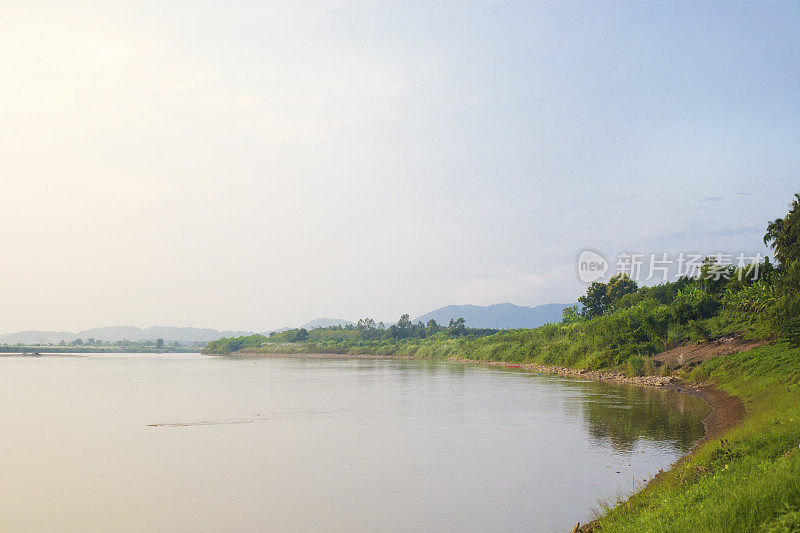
(498, 316)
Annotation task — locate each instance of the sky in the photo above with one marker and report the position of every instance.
(257, 165)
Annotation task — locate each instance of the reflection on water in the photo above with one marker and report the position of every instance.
(628, 414)
(192, 443)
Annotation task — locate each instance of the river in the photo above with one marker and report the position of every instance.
(185, 442)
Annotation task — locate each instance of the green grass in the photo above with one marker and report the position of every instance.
(747, 480)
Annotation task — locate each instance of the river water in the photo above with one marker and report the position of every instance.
(185, 442)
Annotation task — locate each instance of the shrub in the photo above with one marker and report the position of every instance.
(635, 366)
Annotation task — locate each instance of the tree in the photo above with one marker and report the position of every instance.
(784, 235)
(301, 335)
(365, 323)
(570, 313)
(596, 300)
(620, 285)
(714, 276)
(160, 344)
(432, 327)
(404, 326)
(367, 329)
(458, 327)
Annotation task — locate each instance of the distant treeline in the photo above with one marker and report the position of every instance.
(105, 348)
(364, 337)
(97, 343)
(92, 345)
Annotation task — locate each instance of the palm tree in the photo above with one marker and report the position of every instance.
(773, 230)
(781, 233)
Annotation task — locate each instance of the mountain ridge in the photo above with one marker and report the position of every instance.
(326, 323)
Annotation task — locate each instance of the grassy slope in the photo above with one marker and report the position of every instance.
(749, 480)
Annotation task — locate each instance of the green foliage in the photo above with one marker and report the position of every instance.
(714, 276)
(756, 297)
(365, 337)
(620, 286)
(784, 235)
(635, 366)
(601, 297)
(596, 300)
(693, 302)
(233, 344)
(570, 314)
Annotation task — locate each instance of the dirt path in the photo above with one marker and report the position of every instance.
(695, 353)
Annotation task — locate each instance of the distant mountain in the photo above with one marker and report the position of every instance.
(118, 333)
(326, 323)
(499, 316)
(284, 328)
(37, 337)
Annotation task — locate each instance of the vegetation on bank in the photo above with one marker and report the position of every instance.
(619, 330)
(365, 337)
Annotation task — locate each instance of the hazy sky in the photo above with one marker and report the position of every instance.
(260, 165)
